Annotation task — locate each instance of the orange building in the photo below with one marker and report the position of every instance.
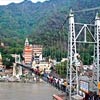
(32, 52)
(28, 53)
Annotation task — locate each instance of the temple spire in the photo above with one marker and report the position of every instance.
(26, 42)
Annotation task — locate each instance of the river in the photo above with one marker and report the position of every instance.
(27, 91)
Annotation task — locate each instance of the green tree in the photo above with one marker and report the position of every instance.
(8, 60)
(61, 69)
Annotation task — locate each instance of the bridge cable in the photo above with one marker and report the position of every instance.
(85, 10)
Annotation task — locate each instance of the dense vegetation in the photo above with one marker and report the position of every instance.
(61, 69)
(42, 23)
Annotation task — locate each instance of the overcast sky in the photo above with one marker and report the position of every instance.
(5, 2)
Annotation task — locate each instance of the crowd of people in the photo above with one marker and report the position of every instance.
(61, 84)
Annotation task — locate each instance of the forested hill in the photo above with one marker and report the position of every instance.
(40, 21)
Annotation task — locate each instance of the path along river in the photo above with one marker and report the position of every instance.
(27, 91)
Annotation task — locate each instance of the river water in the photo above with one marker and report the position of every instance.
(27, 91)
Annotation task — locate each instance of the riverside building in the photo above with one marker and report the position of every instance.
(32, 52)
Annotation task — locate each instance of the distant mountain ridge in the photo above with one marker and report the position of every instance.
(39, 19)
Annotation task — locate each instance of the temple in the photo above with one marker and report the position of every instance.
(27, 52)
(32, 53)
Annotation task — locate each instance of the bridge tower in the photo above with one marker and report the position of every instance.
(71, 48)
(17, 60)
(97, 50)
(14, 69)
(74, 62)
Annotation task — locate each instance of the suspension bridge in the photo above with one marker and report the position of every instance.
(84, 78)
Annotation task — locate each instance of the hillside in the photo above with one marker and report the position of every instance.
(41, 22)
(25, 18)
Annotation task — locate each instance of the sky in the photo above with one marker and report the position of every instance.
(5, 2)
